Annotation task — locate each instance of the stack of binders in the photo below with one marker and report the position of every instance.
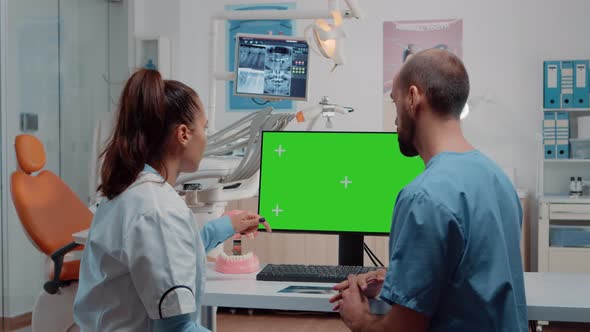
(565, 86)
(556, 133)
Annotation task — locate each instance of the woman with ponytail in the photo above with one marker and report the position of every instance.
(143, 267)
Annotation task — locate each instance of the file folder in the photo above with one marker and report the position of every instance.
(562, 135)
(581, 90)
(551, 84)
(549, 135)
(567, 84)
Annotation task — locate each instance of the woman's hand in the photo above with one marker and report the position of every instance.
(247, 223)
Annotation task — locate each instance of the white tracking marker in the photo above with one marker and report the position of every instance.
(346, 182)
(277, 210)
(280, 150)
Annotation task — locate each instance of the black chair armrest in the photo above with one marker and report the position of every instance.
(57, 257)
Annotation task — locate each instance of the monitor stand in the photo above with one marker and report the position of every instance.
(350, 249)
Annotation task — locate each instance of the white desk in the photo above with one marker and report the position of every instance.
(243, 291)
(80, 237)
(558, 297)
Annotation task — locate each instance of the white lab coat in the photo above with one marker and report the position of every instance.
(144, 259)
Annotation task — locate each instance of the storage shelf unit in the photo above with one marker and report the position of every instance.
(566, 109)
(562, 210)
(567, 161)
(555, 205)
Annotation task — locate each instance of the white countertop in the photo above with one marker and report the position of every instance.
(244, 291)
(550, 296)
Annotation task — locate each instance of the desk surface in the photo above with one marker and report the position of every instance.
(244, 291)
(558, 297)
(80, 237)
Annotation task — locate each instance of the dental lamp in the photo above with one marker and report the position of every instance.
(328, 38)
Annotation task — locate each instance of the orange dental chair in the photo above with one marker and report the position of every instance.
(50, 212)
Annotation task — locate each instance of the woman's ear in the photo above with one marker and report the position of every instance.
(183, 134)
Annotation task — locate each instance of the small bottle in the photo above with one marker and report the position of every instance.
(572, 187)
(579, 186)
(150, 65)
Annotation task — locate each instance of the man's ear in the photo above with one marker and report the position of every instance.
(413, 100)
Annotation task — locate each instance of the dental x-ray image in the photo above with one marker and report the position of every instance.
(251, 69)
(277, 71)
(271, 67)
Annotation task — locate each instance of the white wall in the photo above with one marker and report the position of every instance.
(59, 77)
(31, 85)
(94, 66)
(84, 89)
(504, 44)
(155, 18)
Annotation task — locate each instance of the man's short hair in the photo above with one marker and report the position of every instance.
(441, 76)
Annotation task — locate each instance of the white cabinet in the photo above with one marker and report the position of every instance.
(574, 260)
(557, 209)
(563, 212)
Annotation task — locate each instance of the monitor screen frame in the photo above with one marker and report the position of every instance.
(262, 229)
(263, 96)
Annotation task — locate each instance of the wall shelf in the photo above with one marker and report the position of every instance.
(567, 160)
(153, 52)
(564, 199)
(566, 109)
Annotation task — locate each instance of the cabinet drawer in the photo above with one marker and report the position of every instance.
(575, 260)
(569, 211)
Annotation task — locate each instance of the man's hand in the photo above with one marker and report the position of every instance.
(369, 283)
(353, 305)
(247, 223)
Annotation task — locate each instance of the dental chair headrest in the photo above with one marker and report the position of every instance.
(30, 153)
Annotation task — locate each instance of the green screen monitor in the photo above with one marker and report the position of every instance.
(332, 182)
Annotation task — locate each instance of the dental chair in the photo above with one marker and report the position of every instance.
(50, 212)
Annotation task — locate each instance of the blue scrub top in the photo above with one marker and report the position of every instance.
(454, 247)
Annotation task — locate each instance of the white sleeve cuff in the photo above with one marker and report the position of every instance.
(176, 301)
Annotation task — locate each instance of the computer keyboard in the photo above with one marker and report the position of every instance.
(310, 273)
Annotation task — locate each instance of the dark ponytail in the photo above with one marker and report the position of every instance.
(149, 108)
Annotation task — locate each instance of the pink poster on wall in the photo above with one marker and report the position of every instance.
(404, 38)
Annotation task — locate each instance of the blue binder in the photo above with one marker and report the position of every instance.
(581, 90)
(549, 135)
(551, 84)
(567, 84)
(562, 135)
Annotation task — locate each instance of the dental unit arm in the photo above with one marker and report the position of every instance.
(224, 175)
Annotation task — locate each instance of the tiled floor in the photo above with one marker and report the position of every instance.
(290, 322)
(26, 329)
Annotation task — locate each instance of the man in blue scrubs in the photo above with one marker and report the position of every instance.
(455, 260)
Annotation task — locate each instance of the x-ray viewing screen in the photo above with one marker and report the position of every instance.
(332, 182)
(271, 66)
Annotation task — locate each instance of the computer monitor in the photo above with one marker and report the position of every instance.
(333, 182)
(271, 67)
